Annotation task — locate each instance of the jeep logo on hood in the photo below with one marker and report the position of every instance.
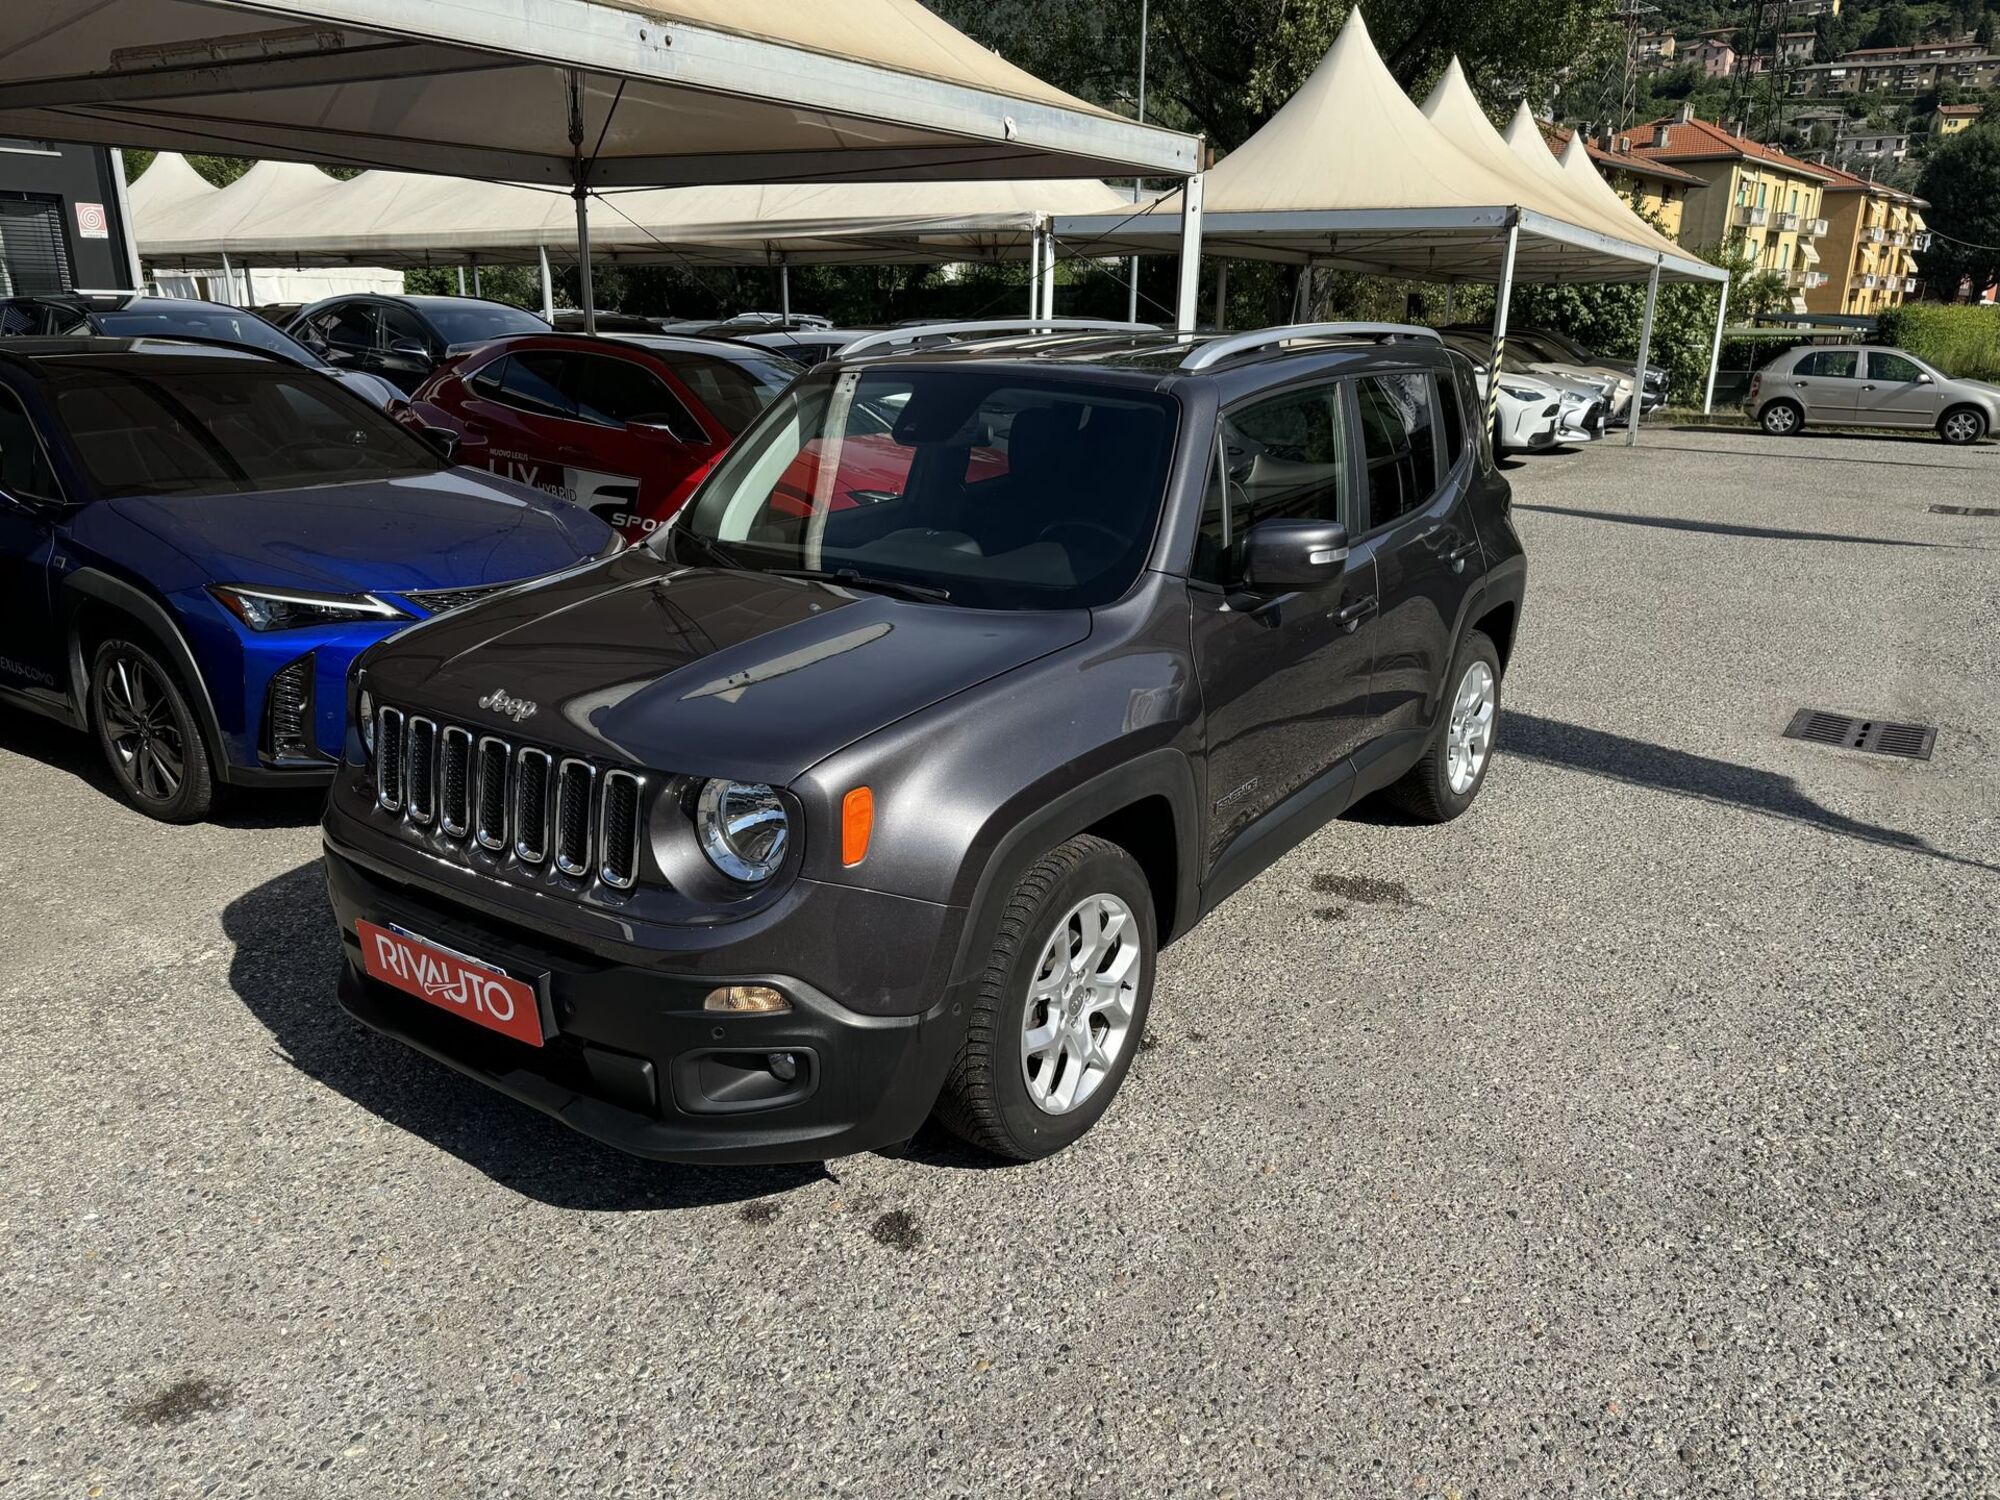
(501, 703)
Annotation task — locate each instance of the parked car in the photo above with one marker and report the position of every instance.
(126, 315)
(570, 320)
(1530, 355)
(278, 314)
(767, 837)
(1848, 385)
(198, 539)
(1534, 411)
(808, 346)
(1656, 384)
(404, 339)
(624, 426)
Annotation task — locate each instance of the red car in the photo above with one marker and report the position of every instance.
(625, 427)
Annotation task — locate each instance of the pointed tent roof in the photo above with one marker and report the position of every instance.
(270, 192)
(1351, 173)
(163, 186)
(1581, 170)
(1524, 137)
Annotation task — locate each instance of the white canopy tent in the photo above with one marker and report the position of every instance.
(581, 94)
(1351, 174)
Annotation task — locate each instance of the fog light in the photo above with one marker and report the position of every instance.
(784, 1066)
(745, 998)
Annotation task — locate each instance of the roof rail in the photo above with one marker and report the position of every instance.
(917, 331)
(1217, 350)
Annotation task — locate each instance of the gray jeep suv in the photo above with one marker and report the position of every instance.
(871, 786)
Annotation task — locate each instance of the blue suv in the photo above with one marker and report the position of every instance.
(195, 541)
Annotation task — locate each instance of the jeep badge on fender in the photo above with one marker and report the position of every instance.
(874, 781)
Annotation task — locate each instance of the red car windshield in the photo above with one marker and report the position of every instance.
(999, 489)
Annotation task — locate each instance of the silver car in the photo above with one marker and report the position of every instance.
(1854, 385)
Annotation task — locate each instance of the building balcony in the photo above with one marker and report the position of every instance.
(1921, 240)
(1875, 236)
(1869, 282)
(1909, 284)
(1748, 216)
(1899, 239)
(1816, 228)
(1785, 223)
(1813, 280)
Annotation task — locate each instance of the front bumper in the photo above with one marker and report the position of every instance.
(633, 1060)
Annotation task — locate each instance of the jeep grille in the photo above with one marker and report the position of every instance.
(510, 799)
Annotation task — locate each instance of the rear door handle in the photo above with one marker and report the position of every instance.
(1351, 615)
(1457, 556)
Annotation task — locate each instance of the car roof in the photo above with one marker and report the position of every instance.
(666, 343)
(152, 352)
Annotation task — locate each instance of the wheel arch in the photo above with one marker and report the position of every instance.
(1985, 417)
(96, 605)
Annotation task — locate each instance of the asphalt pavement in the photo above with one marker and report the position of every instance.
(1633, 1135)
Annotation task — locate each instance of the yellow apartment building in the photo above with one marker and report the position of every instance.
(1869, 254)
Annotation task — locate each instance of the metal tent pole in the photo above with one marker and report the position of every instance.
(229, 277)
(1715, 352)
(1184, 305)
(785, 293)
(1048, 309)
(548, 285)
(1035, 272)
(1645, 352)
(461, 280)
(1302, 291)
(1132, 287)
(126, 233)
(1450, 300)
(1221, 295)
(1503, 300)
(477, 289)
(580, 190)
(249, 290)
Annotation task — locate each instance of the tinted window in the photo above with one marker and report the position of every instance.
(734, 391)
(1454, 422)
(1285, 457)
(1400, 444)
(616, 391)
(401, 323)
(24, 466)
(1839, 364)
(534, 381)
(350, 327)
(226, 324)
(177, 430)
(1893, 367)
(472, 322)
(1010, 491)
(489, 377)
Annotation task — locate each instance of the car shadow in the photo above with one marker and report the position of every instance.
(285, 966)
(75, 753)
(1617, 757)
(1726, 528)
(1785, 450)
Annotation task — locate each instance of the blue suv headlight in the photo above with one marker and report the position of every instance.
(289, 609)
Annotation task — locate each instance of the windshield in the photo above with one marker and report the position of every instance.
(222, 323)
(736, 390)
(238, 431)
(472, 322)
(1006, 491)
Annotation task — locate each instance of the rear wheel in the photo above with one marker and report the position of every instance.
(1962, 425)
(148, 734)
(1061, 1006)
(1782, 418)
(1443, 783)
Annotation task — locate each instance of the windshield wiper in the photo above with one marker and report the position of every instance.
(857, 580)
(722, 557)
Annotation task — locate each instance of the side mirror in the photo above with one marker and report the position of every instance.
(1925, 380)
(655, 432)
(409, 349)
(1280, 556)
(443, 439)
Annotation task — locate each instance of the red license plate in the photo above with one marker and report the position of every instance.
(451, 981)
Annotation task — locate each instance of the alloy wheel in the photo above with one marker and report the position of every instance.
(1079, 1012)
(1780, 419)
(1961, 427)
(140, 726)
(1469, 737)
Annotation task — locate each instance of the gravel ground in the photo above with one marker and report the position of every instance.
(1633, 1135)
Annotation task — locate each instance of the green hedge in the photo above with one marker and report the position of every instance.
(1961, 341)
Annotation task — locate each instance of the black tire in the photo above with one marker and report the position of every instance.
(1782, 418)
(148, 734)
(1962, 426)
(1425, 790)
(986, 1100)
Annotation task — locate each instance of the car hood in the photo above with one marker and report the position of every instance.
(703, 671)
(453, 529)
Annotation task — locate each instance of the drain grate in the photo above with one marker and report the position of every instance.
(1964, 510)
(1877, 736)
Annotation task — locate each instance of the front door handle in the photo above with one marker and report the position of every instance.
(1349, 617)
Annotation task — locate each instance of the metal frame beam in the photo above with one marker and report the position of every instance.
(1639, 365)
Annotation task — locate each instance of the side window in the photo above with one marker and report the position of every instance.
(1400, 444)
(1892, 367)
(1282, 457)
(24, 464)
(533, 382)
(1453, 420)
(351, 327)
(401, 323)
(1830, 364)
(614, 392)
(490, 379)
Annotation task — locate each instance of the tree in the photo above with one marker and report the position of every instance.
(1962, 183)
(1895, 26)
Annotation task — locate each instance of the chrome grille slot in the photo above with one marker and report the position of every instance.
(455, 781)
(574, 779)
(531, 805)
(420, 772)
(618, 830)
(389, 759)
(494, 755)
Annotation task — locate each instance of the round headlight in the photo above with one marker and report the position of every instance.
(365, 710)
(743, 829)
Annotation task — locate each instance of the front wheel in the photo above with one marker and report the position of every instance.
(149, 735)
(1442, 784)
(1782, 419)
(1962, 425)
(1061, 1006)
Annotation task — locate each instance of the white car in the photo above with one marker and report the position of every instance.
(1573, 411)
